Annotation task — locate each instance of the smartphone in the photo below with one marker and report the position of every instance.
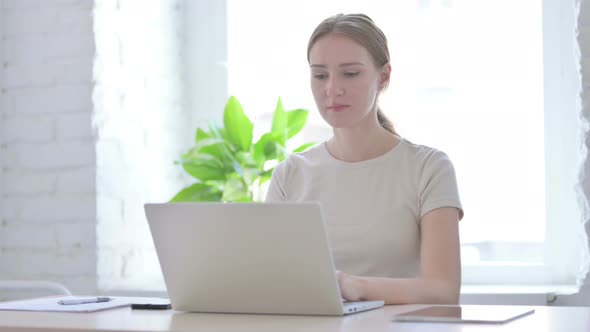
(151, 306)
(150, 303)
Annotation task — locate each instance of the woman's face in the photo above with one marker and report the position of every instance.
(344, 80)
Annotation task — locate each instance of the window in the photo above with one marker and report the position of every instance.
(492, 83)
(467, 79)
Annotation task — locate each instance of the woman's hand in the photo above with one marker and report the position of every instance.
(351, 287)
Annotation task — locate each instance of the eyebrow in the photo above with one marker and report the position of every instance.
(346, 64)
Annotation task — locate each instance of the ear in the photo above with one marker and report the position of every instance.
(385, 76)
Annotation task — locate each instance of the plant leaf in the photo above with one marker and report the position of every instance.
(203, 166)
(215, 147)
(235, 190)
(258, 151)
(295, 121)
(304, 147)
(214, 130)
(266, 175)
(208, 141)
(201, 135)
(238, 127)
(203, 172)
(246, 159)
(198, 192)
(270, 149)
(279, 123)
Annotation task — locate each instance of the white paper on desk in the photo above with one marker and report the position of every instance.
(51, 304)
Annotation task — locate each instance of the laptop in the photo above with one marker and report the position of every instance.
(259, 258)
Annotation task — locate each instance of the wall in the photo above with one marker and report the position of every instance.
(74, 179)
(48, 216)
(583, 39)
(2, 93)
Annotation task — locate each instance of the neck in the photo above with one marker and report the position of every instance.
(366, 141)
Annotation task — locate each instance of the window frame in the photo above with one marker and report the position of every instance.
(562, 254)
(562, 142)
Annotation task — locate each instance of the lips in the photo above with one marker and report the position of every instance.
(337, 108)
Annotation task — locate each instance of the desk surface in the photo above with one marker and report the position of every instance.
(544, 319)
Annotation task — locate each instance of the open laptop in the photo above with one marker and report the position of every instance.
(264, 258)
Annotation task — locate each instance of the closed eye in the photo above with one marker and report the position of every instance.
(320, 76)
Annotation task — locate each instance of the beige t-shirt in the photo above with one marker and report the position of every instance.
(372, 208)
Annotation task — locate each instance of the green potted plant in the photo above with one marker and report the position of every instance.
(227, 165)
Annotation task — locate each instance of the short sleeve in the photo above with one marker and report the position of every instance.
(275, 191)
(438, 184)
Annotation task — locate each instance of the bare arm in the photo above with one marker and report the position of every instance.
(440, 261)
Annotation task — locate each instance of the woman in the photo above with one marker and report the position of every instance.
(391, 207)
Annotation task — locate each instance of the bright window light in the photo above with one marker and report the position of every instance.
(467, 79)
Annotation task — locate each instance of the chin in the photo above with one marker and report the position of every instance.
(337, 122)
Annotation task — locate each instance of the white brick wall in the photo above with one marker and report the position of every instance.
(142, 126)
(3, 104)
(48, 191)
(583, 39)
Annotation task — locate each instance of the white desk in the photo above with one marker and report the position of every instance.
(567, 319)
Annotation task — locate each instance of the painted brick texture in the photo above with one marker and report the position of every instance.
(48, 196)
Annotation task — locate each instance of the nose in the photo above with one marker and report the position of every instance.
(333, 87)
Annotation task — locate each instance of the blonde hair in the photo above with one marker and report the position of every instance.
(361, 29)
